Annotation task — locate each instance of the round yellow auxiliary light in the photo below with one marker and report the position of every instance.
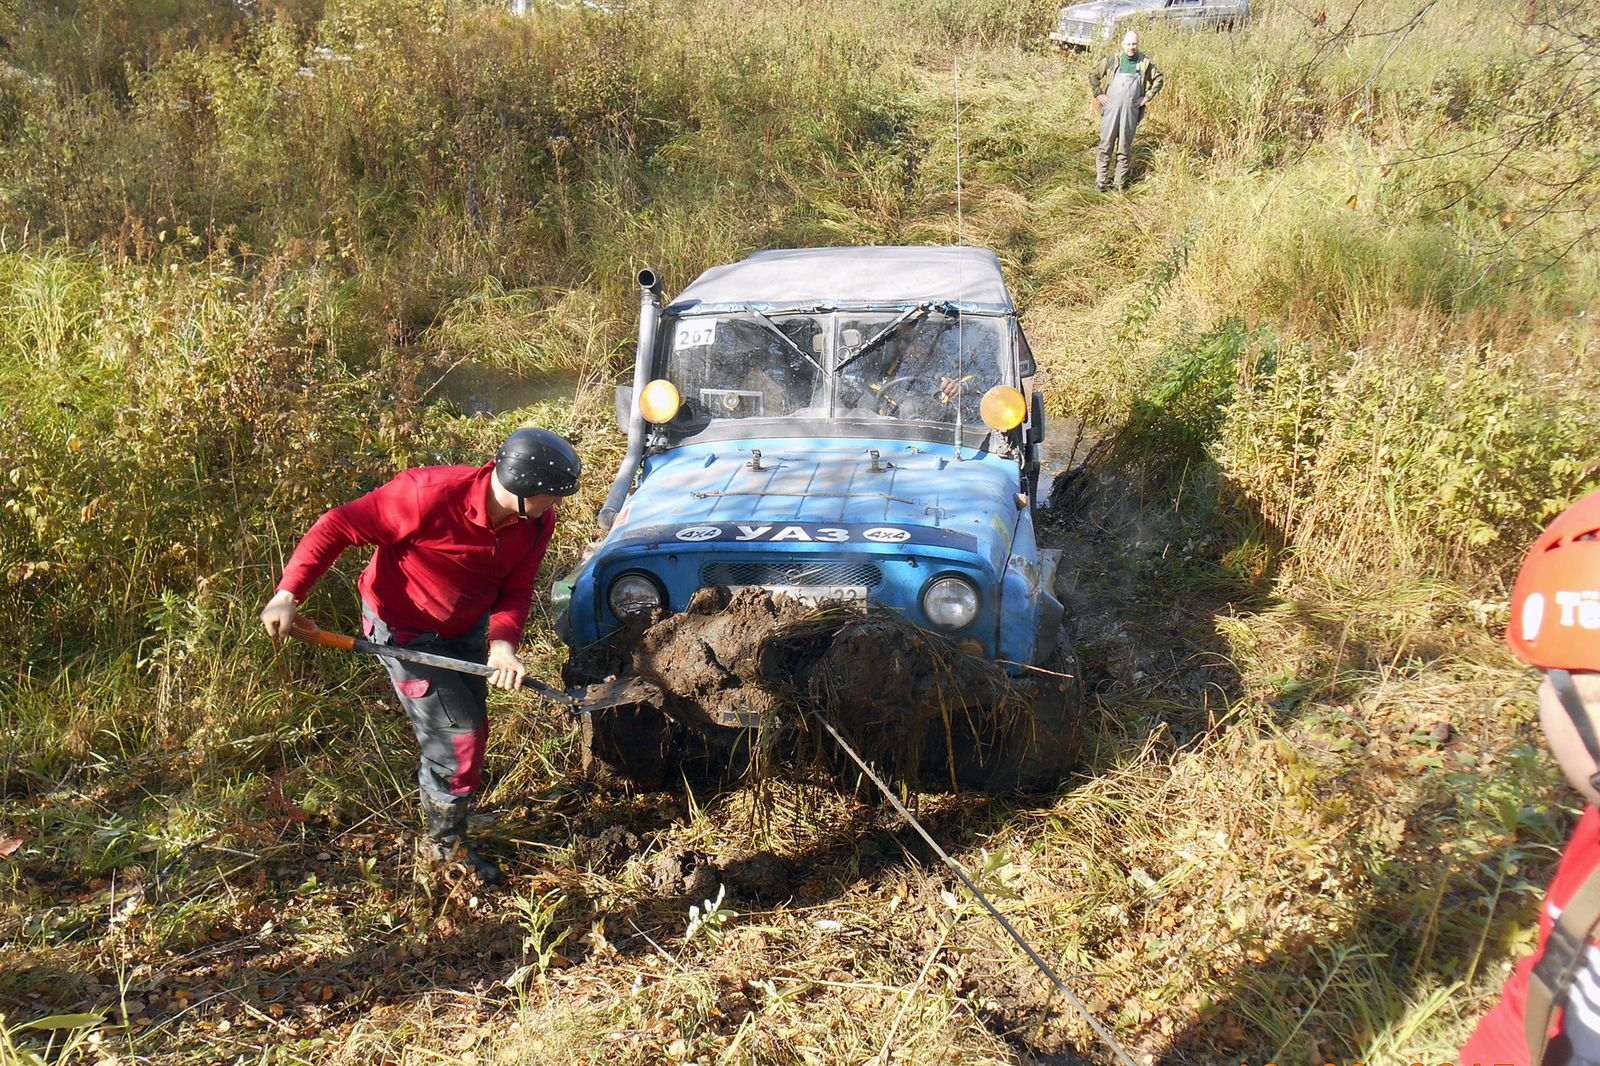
(1004, 408)
(659, 401)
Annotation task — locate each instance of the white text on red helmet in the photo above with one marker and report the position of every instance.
(1579, 608)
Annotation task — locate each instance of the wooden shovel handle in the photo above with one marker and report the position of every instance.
(305, 629)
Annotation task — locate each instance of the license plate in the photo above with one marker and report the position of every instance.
(812, 595)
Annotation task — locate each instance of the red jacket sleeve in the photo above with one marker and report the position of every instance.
(1499, 1039)
(386, 515)
(509, 615)
(1501, 1036)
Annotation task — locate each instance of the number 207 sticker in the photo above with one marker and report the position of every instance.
(695, 334)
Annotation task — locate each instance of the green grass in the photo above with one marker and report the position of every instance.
(234, 263)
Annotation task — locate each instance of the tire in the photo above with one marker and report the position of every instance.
(1038, 750)
(634, 741)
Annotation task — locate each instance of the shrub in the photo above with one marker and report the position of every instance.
(1386, 460)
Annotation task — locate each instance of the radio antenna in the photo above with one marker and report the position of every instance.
(958, 150)
(961, 279)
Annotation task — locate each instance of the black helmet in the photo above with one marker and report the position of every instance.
(536, 462)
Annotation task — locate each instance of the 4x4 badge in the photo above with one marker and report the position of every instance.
(885, 535)
(699, 533)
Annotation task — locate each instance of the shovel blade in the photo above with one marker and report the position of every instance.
(619, 693)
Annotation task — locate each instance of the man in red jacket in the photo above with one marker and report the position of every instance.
(458, 548)
(1549, 1011)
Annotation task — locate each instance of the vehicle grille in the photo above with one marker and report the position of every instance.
(866, 574)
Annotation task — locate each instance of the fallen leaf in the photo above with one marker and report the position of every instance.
(8, 845)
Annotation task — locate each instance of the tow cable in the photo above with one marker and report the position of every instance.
(1044, 967)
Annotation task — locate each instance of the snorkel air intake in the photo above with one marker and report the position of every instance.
(649, 315)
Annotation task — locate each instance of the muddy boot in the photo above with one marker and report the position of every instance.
(447, 841)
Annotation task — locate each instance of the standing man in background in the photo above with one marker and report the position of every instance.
(458, 548)
(1122, 83)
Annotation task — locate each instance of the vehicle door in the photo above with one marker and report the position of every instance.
(1189, 14)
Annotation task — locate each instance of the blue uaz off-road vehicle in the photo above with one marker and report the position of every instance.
(832, 455)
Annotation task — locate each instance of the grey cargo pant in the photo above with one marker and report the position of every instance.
(449, 711)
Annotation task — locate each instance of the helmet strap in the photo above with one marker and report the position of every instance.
(1567, 693)
(522, 515)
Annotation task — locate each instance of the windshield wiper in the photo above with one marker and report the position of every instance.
(771, 323)
(919, 309)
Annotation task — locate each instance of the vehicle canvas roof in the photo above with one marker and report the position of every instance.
(877, 276)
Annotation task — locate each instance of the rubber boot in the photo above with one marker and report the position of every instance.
(447, 839)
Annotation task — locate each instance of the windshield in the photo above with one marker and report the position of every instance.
(919, 365)
(745, 366)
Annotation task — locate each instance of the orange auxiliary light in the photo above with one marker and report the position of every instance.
(1004, 408)
(659, 401)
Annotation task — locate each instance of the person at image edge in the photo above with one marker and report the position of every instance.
(457, 552)
(1549, 1011)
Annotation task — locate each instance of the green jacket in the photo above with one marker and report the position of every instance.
(1104, 70)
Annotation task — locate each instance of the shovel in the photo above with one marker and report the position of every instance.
(628, 690)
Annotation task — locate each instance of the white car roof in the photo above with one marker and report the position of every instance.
(875, 276)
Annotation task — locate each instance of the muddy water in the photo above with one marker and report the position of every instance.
(1065, 446)
(490, 391)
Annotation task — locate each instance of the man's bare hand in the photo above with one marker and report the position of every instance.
(1103, 99)
(1143, 100)
(508, 669)
(278, 615)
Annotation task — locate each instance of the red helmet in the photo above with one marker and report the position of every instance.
(1555, 604)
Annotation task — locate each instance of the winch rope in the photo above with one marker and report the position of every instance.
(1044, 967)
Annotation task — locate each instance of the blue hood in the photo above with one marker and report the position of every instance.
(815, 481)
(816, 513)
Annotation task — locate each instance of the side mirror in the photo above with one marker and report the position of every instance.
(624, 404)
(1034, 455)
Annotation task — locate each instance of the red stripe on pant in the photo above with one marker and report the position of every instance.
(469, 760)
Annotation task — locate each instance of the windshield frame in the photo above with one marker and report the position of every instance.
(833, 422)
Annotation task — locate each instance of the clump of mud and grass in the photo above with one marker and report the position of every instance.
(747, 677)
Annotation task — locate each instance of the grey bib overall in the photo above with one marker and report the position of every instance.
(1117, 122)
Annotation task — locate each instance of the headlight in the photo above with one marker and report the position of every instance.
(950, 602)
(634, 593)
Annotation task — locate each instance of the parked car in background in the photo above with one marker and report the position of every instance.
(1090, 24)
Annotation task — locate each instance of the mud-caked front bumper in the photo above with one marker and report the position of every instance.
(1016, 621)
